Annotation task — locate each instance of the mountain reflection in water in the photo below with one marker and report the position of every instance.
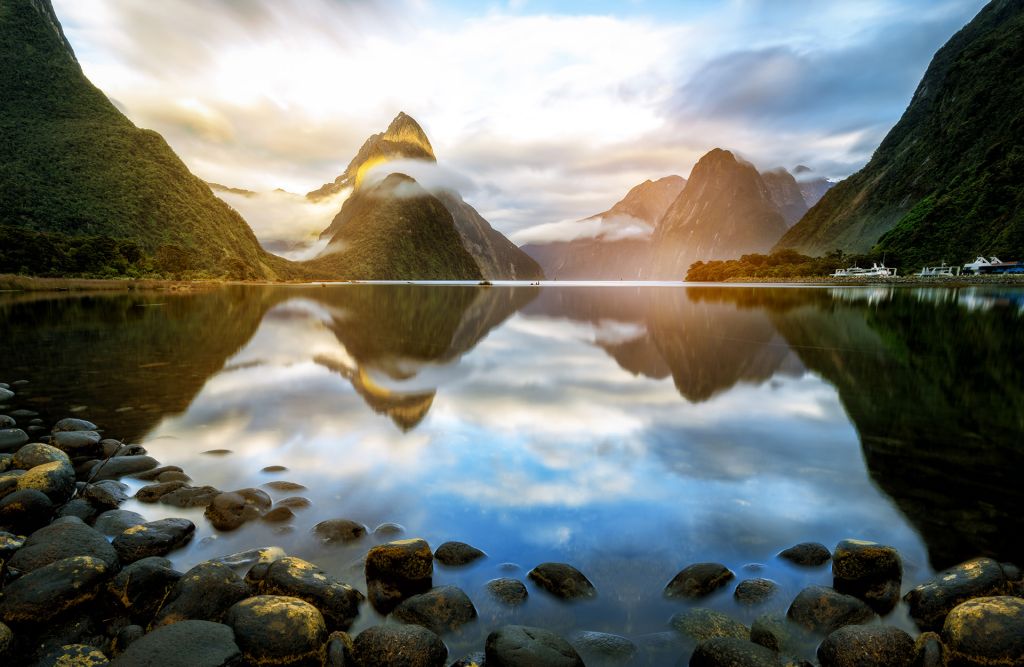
(628, 430)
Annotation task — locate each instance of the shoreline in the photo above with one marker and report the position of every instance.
(10, 283)
(70, 551)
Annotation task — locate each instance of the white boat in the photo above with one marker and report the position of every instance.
(857, 272)
(979, 261)
(940, 270)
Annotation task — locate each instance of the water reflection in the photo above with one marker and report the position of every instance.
(628, 430)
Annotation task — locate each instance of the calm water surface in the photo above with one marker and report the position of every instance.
(627, 430)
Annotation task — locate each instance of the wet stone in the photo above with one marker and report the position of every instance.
(294, 503)
(872, 572)
(297, 578)
(250, 557)
(80, 508)
(73, 424)
(563, 581)
(205, 593)
(25, 413)
(340, 650)
(282, 485)
(125, 637)
(600, 649)
(6, 421)
(823, 610)
(9, 544)
(441, 610)
(867, 646)
(36, 453)
(141, 587)
(398, 570)
(278, 515)
(508, 591)
(75, 655)
(524, 646)
(472, 660)
(731, 652)
(78, 443)
(389, 530)
(173, 476)
(190, 496)
(454, 554)
(6, 394)
(217, 452)
(63, 539)
(228, 511)
(986, 632)
(26, 510)
(51, 590)
(153, 474)
(209, 645)
(274, 469)
(755, 591)
(115, 522)
(339, 530)
(154, 492)
(772, 632)
(6, 462)
(56, 479)
(9, 481)
(278, 630)
(156, 538)
(699, 624)
(931, 601)
(928, 650)
(106, 494)
(121, 466)
(807, 554)
(399, 646)
(698, 580)
(11, 439)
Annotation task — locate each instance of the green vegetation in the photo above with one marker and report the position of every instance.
(945, 182)
(86, 191)
(779, 264)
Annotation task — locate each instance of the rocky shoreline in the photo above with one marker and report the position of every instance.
(932, 281)
(83, 582)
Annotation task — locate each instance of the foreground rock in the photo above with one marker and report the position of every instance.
(184, 644)
(933, 600)
(278, 630)
(986, 631)
(730, 652)
(698, 580)
(823, 610)
(524, 646)
(563, 581)
(511, 592)
(396, 571)
(26, 510)
(867, 646)
(140, 589)
(699, 624)
(122, 466)
(755, 591)
(600, 649)
(56, 479)
(869, 571)
(807, 554)
(290, 576)
(399, 646)
(64, 538)
(156, 538)
(440, 610)
(455, 554)
(51, 590)
(204, 593)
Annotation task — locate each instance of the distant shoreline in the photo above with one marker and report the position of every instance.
(16, 283)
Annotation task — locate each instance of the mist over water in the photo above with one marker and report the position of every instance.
(629, 431)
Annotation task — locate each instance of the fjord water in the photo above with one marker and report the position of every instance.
(627, 430)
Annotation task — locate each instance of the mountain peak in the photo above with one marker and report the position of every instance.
(405, 129)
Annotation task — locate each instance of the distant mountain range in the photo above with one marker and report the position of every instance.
(946, 181)
(615, 244)
(726, 209)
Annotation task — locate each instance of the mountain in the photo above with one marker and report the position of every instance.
(83, 190)
(786, 194)
(812, 187)
(945, 182)
(725, 210)
(621, 248)
(404, 139)
(394, 230)
(439, 229)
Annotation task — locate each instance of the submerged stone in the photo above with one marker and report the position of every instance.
(524, 646)
(732, 652)
(823, 610)
(699, 624)
(698, 580)
(441, 610)
(454, 554)
(867, 646)
(508, 591)
(563, 581)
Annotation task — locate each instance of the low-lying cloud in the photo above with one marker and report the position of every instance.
(608, 228)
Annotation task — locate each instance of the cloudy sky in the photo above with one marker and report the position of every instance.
(550, 110)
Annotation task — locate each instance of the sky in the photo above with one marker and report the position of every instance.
(548, 111)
